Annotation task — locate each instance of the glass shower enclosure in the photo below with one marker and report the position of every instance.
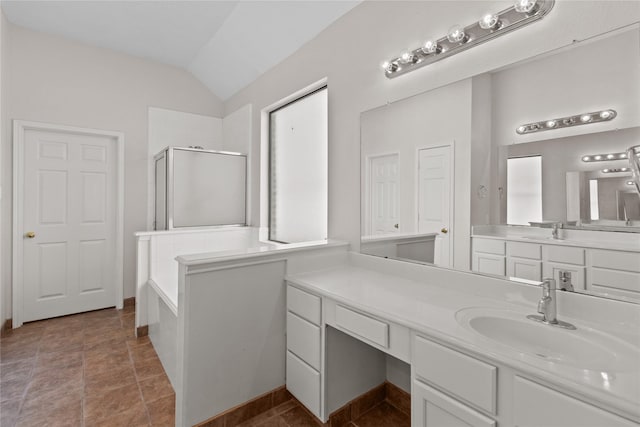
(199, 188)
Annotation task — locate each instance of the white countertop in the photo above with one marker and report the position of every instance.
(621, 241)
(262, 250)
(431, 309)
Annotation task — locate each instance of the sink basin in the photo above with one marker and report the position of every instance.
(584, 348)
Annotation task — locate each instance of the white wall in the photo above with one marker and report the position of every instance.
(177, 129)
(349, 52)
(236, 131)
(50, 79)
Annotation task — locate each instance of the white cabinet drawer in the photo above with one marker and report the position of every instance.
(430, 408)
(616, 260)
(303, 339)
(363, 326)
(304, 383)
(563, 254)
(536, 405)
(524, 250)
(304, 304)
(489, 264)
(461, 375)
(489, 246)
(524, 268)
(615, 279)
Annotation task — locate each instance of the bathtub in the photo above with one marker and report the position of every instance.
(157, 278)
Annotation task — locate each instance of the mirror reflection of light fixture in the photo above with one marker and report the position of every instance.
(604, 157)
(564, 122)
(615, 170)
(459, 38)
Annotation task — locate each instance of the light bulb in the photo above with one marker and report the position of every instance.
(605, 170)
(489, 22)
(456, 34)
(431, 46)
(605, 115)
(522, 129)
(623, 156)
(610, 156)
(629, 182)
(586, 158)
(524, 6)
(624, 169)
(551, 123)
(390, 67)
(598, 157)
(585, 118)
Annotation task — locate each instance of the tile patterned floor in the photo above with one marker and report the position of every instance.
(83, 370)
(291, 414)
(89, 370)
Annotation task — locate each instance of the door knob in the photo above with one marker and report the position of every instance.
(444, 230)
(396, 225)
(30, 234)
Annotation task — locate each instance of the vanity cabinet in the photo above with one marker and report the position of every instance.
(537, 405)
(467, 386)
(524, 260)
(304, 342)
(599, 271)
(614, 273)
(489, 256)
(431, 408)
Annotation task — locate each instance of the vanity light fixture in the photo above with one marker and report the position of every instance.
(459, 38)
(563, 122)
(604, 157)
(615, 170)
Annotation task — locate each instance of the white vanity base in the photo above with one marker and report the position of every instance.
(409, 312)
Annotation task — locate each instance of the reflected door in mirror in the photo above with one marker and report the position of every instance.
(384, 194)
(434, 195)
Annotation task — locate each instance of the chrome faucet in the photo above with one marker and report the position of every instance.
(555, 229)
(547, 306)
(565, 281)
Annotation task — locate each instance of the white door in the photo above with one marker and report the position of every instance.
(68, 223)
(384, 194)
(434, 200)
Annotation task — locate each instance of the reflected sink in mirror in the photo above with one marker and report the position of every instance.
(542, 238)
(584, 348)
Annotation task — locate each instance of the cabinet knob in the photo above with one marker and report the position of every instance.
(30, 234)
(444, 230)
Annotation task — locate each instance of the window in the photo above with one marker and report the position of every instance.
(298, 169)
(524, 190)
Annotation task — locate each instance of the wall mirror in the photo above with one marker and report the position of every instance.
(445, 174)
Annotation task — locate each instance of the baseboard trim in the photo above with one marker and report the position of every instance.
(142, 331)
(7, 325)
(248, 410)
(129, 302)
(385, 392)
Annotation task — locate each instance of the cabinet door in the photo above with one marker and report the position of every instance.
(488, 263)
(537, 405)
(430, 408)
(524, 268)
(553, 269)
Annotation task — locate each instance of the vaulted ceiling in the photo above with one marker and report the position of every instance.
(225, 44)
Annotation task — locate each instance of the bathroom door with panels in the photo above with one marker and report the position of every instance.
(384, 194)
(434, 200)
(68, 224)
